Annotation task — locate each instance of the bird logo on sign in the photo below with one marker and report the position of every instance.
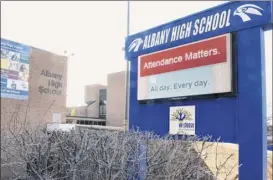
(135, 45)
(245, 10)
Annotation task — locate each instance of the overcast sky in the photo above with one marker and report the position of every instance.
(95, 32)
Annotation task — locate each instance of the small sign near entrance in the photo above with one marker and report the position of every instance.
(182, 120)
(57, 118)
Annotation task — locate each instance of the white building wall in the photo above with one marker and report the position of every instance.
(80, 111)
(115, 103)
(92, 94)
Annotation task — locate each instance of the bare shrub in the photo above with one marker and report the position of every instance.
(103, 155)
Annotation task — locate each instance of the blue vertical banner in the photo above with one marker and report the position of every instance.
(143, 161)
(14, 70)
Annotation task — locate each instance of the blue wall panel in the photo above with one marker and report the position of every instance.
(240, 119)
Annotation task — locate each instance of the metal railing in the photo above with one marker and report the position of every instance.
(85, 120)
(100, 127)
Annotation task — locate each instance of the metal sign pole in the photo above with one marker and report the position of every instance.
(127, 73)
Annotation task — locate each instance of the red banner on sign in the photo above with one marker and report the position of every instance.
(207, 52)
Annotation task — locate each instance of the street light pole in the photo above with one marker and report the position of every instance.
(127, 72)
(68, 57)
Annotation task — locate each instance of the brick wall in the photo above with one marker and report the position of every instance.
(40, 106)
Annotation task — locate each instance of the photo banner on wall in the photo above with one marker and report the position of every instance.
(199, 68)
(14, 70)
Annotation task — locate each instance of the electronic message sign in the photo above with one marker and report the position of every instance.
(198, 68)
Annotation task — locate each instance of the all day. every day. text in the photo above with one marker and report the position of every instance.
(188, 85)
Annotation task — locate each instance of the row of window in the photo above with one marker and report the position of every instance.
(87, 122)
(100, 123)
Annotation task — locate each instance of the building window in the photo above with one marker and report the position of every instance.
(102, 104)
(102, 109)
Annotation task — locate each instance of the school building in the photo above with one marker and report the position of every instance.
(105, 105)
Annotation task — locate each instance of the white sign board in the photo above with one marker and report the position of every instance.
(57, 118)
(182, 120)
